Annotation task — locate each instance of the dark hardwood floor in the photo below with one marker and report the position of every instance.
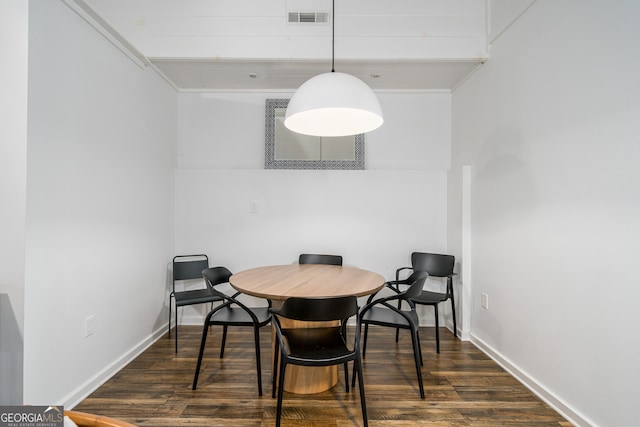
(463, 387)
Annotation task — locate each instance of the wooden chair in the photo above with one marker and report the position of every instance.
(84, 419)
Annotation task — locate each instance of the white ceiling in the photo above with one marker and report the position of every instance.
(216, 45)
(199, 74)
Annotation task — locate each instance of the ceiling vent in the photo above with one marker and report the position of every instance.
(308, 17)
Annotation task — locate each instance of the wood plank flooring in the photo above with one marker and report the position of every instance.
(463, 387)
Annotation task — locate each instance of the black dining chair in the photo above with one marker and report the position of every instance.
(188, 268)
(317, 346)
(437, 265)
(381, 312)
(320, 259)
(232, 312)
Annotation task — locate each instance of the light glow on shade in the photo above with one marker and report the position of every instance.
(333, 104)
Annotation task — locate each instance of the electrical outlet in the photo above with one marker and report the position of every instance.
(484, 301)
(89, 325)
(253, 206)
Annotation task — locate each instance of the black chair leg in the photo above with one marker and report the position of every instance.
(274, 373)
(453, 312)
(224, 340)
(435, 308)
(353, 375)
(283, 366)
(176, 331)
(398, 329)
(363, 402)
(364, 341)
(205, 330)
(419, 346)
(346, 377)
(169, 332)
(256, 334)
(417, 356)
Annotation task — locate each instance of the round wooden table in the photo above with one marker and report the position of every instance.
(279, 282)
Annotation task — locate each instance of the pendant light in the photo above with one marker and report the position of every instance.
(333, 104)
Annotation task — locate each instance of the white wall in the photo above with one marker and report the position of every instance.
(344, 212)
(101, 154)
(13, 190)
(226, 131)
(375, 218)
(550, 128)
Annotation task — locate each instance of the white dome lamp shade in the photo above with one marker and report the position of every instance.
(333, 104)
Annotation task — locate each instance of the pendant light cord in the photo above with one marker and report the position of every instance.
(333, 37)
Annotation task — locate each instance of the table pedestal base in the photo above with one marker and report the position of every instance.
(310, 379)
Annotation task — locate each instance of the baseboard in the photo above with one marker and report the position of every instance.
(190, 320)
(77, 396)
(536, 388)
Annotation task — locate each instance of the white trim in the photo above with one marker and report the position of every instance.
(163, 76)
(279, 90)
(488, 23)
(91, 385)
(534, 386)
(86, 12)
(468, 76)
(191, 320)
(466, 283)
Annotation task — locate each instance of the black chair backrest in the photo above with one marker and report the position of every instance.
(320, 259)
(189, 268)
(437, 265)
(319, 309)
(216, 276)
(416, 280)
